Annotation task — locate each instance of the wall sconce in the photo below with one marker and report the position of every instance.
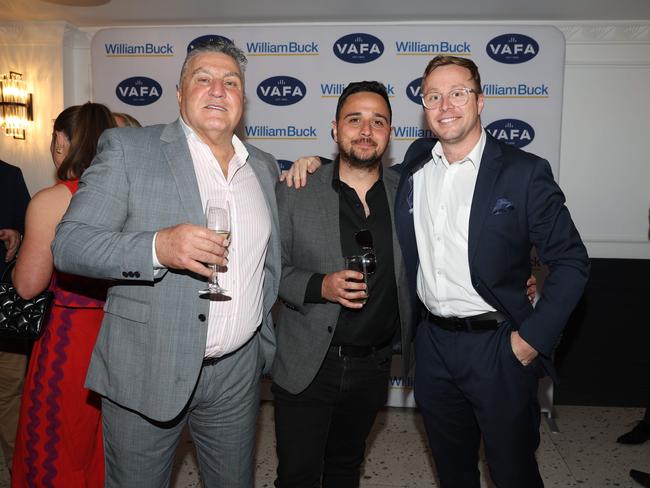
(16, 105)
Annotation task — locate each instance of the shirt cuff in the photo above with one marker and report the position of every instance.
(314, 287)
(154, 257)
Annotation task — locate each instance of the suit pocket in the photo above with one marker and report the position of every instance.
(128, 308)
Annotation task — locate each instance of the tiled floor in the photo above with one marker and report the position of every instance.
(584, 453)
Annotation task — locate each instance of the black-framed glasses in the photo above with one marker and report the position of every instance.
(369, 259)
(457, 98)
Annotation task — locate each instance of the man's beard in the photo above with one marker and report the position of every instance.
(355, 160)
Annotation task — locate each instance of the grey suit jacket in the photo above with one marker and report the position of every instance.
(152, 341)
(311, 243)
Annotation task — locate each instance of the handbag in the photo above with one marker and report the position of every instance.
(20, 318)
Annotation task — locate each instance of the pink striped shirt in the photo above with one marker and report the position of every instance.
(232, 322)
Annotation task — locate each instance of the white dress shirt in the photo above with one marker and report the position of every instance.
(233, 321)
(442, 199)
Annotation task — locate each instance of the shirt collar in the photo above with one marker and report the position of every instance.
(473, 157)
(237, 144)
(336, 179)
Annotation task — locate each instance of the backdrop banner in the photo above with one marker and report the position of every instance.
(296, 73)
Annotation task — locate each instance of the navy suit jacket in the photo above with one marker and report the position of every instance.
(14, 198)
(516, 205)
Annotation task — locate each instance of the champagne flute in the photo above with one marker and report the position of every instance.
(217, 216)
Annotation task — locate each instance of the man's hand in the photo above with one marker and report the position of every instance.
(523, 351)
(191, 247)
(11, 240)
(297, 174)
(531, 289)
(343, 287)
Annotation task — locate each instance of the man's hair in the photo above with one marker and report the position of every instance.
(364, 86)
(91, 120)
(439, 61)
(220, 46)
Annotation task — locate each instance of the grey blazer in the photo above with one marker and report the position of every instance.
(311, 243)
(152, 341)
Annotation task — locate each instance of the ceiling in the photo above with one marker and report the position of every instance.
(87, 13)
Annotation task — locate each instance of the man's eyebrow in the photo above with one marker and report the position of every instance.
(357, 114)
(200, 69)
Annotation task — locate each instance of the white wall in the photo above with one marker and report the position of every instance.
(604, 163)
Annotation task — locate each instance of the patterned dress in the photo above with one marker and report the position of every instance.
(59, 441)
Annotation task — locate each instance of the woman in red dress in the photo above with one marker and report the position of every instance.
(59, 441)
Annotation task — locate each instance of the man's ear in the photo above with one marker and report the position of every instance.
(334, 131)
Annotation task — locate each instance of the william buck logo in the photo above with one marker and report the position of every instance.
(512, 131)
(358, 48)
(512, 48)
(138, 90)
(281, 90)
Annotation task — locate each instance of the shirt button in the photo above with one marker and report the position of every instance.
(439, 273)
(329, 329)
(202, 317)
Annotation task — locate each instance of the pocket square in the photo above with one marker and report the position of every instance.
(502, 206)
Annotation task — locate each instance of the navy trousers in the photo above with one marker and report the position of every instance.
(469, 384)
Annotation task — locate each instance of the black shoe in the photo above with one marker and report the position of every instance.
(638, 435)
(640, 477)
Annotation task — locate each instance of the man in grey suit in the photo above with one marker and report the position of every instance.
(166, 356)
(334, 352)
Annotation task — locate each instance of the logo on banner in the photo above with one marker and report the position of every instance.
(146, 50)
(512, 48)
(207, 38)
(281, 90)
(414, 89)
(520, 90)
(417, 48)
(138, 90)
(292, 48)
(411, 132)
(334, 90)
(358, 48)
(512, 131)
(280, 133)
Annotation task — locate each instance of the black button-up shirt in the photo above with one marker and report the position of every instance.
(376, 323)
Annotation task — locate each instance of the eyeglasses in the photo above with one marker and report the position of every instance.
(457, 98)
(369, 259)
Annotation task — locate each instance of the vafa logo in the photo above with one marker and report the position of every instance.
(512, 131)
(358, 48)
(512, 48)
(281, 90)
(138, 90)
(414, 89)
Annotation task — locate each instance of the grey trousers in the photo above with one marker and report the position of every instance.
(221, 415)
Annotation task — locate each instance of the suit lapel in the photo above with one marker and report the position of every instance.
(390, 184)
(328, 204)
(179, 159)
(488, 172)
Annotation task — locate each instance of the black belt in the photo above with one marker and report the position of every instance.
(357, 351)
(477, 323)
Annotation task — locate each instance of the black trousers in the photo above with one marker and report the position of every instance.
(469, 384)
(321, 432)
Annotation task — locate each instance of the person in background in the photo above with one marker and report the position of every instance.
(59, 441)
(125, 120)
(14, 198)
(167, 356)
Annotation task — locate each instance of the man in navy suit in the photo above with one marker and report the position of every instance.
(469, 210)
(14, 198)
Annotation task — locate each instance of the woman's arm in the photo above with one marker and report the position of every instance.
(34, 265)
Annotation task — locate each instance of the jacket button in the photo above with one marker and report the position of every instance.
(125, 274)
(202, 317)
(329, 329)
(137, 274)
(130, 274)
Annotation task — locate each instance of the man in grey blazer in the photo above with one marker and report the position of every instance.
(166, 356)
(333, 360)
